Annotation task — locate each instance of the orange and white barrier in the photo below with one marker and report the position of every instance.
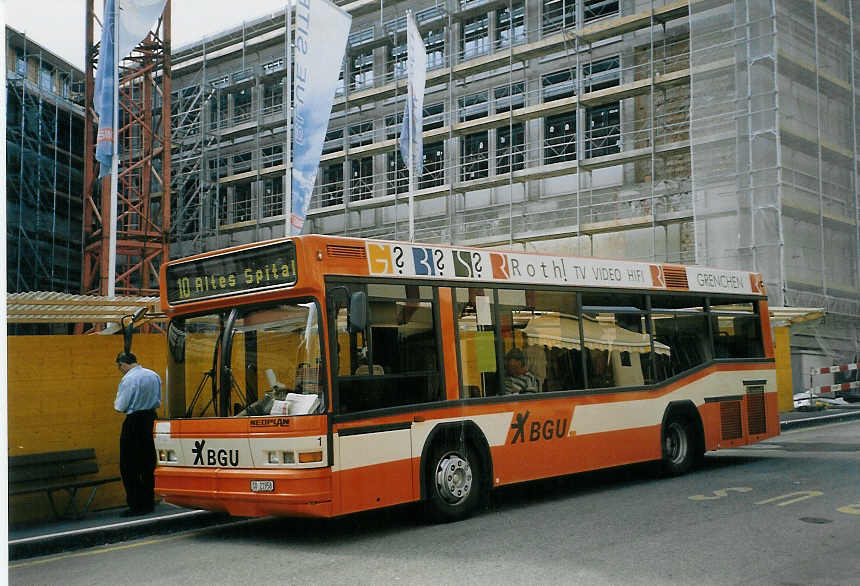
(832, 391)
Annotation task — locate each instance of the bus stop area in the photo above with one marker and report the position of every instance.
(101, 528)
(60, 399)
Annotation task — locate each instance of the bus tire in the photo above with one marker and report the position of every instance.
(680, 446)
(455, 481)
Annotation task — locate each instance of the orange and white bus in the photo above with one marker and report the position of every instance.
(320, 376)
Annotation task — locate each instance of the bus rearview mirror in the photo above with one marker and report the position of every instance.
(357, 312)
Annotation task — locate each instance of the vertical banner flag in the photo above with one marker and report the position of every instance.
(105, 92)
(136, 19)
(321, 33)
(412, 131)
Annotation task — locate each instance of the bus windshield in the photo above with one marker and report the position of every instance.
(247, 361)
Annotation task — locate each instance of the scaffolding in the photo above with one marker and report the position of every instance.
(677, 131)
(774, 153)
(44, 149)
(143, 200)
(493, 175)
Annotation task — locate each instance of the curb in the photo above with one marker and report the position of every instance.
(819, 420)
(65, 541)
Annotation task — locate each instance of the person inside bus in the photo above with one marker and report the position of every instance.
(518, 379)
(138, 396)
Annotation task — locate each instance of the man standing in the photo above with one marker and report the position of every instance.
(138, 395)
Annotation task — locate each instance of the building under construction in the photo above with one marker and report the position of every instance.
(720, 132)
(44, 168)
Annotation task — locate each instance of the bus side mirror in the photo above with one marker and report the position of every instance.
(357, 312)
(128, 328)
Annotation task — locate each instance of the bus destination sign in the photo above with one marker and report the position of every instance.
(243, 271)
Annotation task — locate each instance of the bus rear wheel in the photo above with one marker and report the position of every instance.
(455, 482)
(679, 446)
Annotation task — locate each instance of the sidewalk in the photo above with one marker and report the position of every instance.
(109, 526)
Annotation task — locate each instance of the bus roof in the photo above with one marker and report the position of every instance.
(403, 260)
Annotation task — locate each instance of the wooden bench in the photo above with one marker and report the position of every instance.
(50, 472)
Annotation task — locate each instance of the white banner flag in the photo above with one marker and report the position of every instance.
(321, 33)
(412, 131)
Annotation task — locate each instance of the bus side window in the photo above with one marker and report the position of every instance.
(395, 361)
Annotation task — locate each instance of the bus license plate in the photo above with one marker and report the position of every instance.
(262, 486)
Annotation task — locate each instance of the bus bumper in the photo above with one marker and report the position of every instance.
(295, 493)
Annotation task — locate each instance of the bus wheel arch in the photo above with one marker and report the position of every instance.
(456, 469)
(682, 438)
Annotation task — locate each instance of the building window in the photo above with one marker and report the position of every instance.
(333, 141)
(272, 155)
(602, 74)
(218, 111)
(508, 96)
(46, 77)
(218, 168)
(503, 25)
(510, 142)
(273, 96)
(396, 175)
(273, 197)
(20, 62)
(243, 203)
(473, 156)
(361, 134)
(558, 14)
(331, 184)
(434, 116)
(434, 45)
(433, 172)
(392, 125)
(396, 62)
(241, 162)
(604, 130)
(473, 106)
(361, 179)
(361, 70)
(594, 9)
(242, 106)
(558, 85)
(64, 86)
(476, 37)
(222, 211)
(560, 137)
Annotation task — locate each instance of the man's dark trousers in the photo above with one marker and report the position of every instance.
(137, 460)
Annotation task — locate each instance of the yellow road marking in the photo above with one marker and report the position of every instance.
(102, 550)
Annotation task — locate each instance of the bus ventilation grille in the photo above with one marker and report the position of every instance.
(730, 417)
(341, 251)
(676, 277)
(755, 410)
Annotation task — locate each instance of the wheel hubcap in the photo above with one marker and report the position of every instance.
(676, 443)
(453, 478)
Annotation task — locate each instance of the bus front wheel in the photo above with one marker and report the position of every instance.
(679, 449)
(454, 481)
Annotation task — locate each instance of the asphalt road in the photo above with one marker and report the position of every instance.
(784, 512)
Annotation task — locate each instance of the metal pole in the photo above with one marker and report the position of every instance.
(288, 151)
(114, 183)
(413, 128)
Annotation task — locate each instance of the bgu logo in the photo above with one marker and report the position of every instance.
(214, 457)
(537, 430)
